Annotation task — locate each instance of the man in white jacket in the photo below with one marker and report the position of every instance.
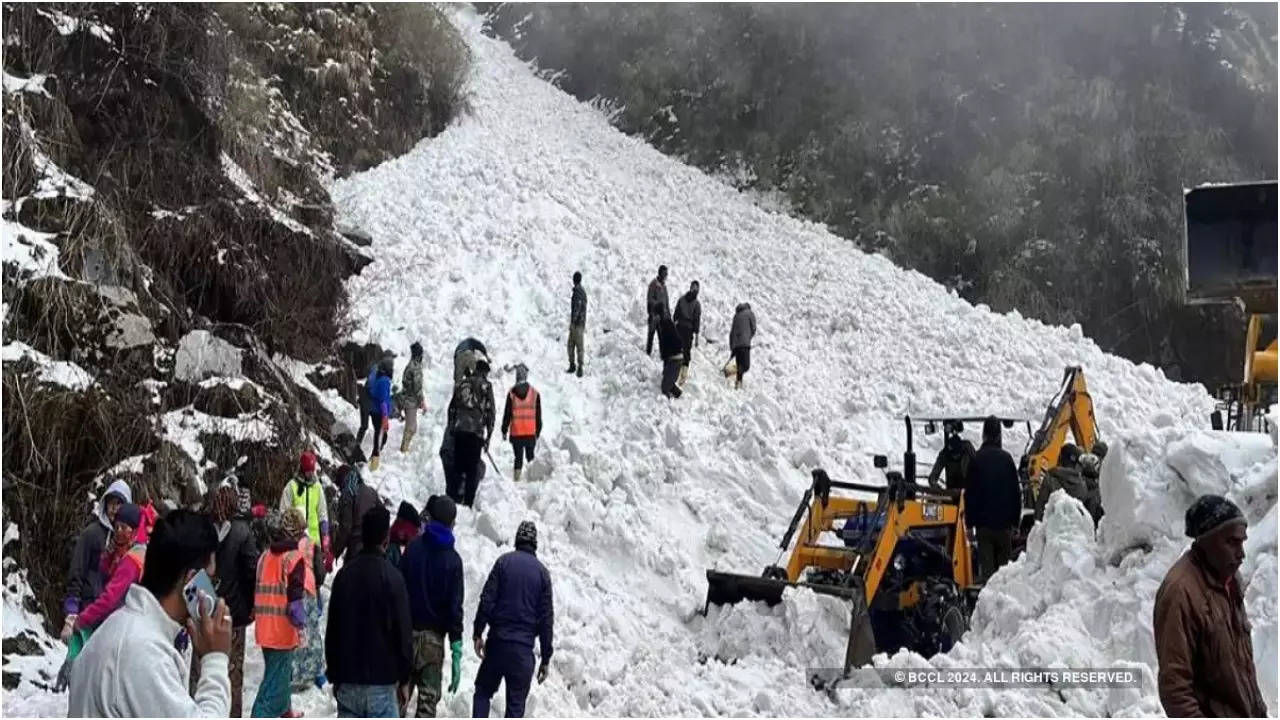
(135, 665)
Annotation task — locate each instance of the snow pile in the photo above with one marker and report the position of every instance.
(32, 656)
(55, 372)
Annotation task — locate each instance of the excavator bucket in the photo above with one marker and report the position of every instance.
(732, 588)
(1230, 249)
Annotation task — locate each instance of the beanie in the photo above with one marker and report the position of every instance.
(527, 535)
(443, 510)
(308, 462)
(130, 515)
(1209, 513)
(408, 513)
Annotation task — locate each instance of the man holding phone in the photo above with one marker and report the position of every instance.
(133, 668)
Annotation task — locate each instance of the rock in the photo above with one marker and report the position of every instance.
(170, 474)
(201, 355)
(24, 643)
(10, 680)
(356, 235)
(228, 399)
(48, 214)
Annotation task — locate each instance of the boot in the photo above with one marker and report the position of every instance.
(579, 371)
(571, 368)
(516, 474)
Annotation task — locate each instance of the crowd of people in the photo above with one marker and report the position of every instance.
(158, 607)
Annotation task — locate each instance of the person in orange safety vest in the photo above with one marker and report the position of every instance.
(522, 419)
(284, 580)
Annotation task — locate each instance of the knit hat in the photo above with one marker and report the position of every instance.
(130, 515)
(522, 373)
(307, 464)
(408, 513)
(275, 526)
(527, 534)
(294, 524)
(1209, 513)
(442, 509)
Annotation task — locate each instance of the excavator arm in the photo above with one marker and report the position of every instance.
(1070, 410)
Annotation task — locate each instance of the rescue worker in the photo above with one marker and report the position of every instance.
(1091, 469)
(464, 358)
(741, 333)
(1202, 632)
(355, 499)
(412, 395)
(453, 480)
(236, 569)
(657, 306)
(993, 500)
(284, 582)
(133, 667)
(367, 641)
(85, 579)
(522, 417)
(379, 384)
(1066, 476)
(577, 323)
(432, 571)
(471, 419)
(517, 607)
(305, 493)
(954, 459)
(672, 351)
(688, 319)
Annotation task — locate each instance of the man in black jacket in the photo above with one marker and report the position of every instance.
(237, 576)
(993, 500)
(367, 642)
(688, 319)
(577, 323)
(433, 573)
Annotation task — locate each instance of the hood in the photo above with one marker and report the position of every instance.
(742, 307)
(119, 487)
(437, 535)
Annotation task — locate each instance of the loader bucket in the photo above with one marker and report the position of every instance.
(731, 588)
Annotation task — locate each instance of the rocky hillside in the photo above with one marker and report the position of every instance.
(173, 278)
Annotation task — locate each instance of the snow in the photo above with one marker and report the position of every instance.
(241, 179)
(636, 496)
(31, 250)
(202, 355)
(33, 84)
(55, 372)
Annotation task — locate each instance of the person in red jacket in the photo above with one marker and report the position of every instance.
(522, 418)
(122, 563)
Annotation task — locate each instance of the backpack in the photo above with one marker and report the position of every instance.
(471, 400)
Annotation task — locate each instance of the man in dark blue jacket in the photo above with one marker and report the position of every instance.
(433, 573)
(993, 500)
(516, 605)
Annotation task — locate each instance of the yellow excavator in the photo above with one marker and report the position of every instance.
(899, 553)
(1070, 410)
(1229, 256)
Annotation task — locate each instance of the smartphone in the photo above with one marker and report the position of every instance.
(200, 595)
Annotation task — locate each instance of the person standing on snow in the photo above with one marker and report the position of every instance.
(464, 358)
(237, 576)
(741, 333)
(379, 384)
(672, 351)
(688, 319)
(133, 667)
(355, 498)
(1203, 638)
(517, 606)
(993, 500)
(411, 392)
(366, 400)
(453, 480)
(305, 493)
(471, 419)
(122, 562)
(656, 303)
(85, 579)
(367, 641)
(1066, 476)
(284, 582)
(1091, 469)
(522, 417)
(432, 571)
(577, 323)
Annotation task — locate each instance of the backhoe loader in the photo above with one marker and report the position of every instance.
(904, 562)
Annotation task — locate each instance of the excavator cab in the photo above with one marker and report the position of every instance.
(899, 554)
(1229, 256)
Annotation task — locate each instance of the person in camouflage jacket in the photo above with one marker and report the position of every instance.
(411, 395)
(471, 418)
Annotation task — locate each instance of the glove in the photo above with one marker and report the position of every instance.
(68, 627)
(543, 668)
(64, 677)
(455, 648)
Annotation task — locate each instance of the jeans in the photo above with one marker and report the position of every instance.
(366, 701)
(503, 662)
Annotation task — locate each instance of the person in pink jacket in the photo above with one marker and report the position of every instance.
(122, 563)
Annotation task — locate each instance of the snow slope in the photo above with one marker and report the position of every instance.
(478, 231)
